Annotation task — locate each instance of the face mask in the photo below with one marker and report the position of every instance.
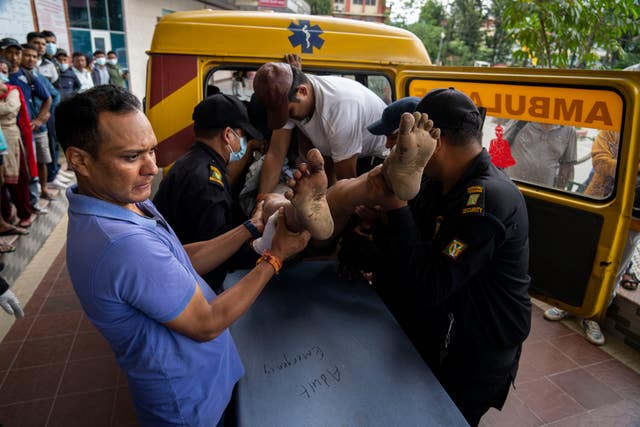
(113, 61)
(237, 155)
(50, 49)
(4, 77)
(39, 62)
(64, 67)
(101, 61)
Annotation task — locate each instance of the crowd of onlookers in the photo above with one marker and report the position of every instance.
(35, 75)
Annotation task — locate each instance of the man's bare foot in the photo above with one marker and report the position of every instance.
(309, 197)
(403, 167)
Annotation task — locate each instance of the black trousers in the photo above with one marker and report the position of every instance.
(477, 384)
(474, 397)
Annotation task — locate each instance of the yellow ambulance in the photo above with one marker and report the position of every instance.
(576, 239)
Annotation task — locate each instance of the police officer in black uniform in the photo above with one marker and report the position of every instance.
(456, 260)
(195, 197)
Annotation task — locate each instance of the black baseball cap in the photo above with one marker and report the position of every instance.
(390, 120)
(451, 109)
(8, 42)
(221, 110)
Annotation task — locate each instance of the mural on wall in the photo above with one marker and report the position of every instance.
(16, 19)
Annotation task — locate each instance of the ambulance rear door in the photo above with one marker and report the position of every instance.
(577, 234)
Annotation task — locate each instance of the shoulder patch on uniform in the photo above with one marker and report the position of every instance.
(215, 176)
(475, 201)
(454, 249)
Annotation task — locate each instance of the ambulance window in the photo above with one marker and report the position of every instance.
(381, 86)
(239, 82)
(564, 138)
(574, 159)
(236, 82)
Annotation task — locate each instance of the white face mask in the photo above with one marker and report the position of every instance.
(101, 61)
(237, 155)
(64, 67)
(113, 61)
(50, 49)
(4, 77)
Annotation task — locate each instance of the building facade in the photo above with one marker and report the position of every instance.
(124, 26)
(364, 10)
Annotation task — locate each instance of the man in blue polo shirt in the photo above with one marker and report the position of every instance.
(138, 285)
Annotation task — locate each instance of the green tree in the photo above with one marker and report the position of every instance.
(320, 7)
(630, 54)
(432, 13)
(428, 27)
(402, 10)
(466, 19)
(498, 43)
(565, 33)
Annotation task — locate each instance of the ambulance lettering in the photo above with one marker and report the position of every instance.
(546, 108)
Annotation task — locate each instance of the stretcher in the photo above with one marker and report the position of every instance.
(319, 350)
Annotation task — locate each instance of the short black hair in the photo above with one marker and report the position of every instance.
(461, 137)
(98, 52)
(75, 54)
(77, 117)
(212, 90)
(34, 35)
(28, 46)
(47, 33)
(207, 133)
(110, 52)
(299, 78)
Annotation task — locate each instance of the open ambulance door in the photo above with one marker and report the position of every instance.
(577, 234)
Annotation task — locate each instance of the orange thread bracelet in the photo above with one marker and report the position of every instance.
(271, 259)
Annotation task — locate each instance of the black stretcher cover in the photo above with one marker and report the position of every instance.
(319, 350)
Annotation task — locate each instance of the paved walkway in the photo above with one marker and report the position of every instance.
(56, 369)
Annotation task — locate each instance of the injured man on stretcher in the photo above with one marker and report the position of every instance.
(324, 212)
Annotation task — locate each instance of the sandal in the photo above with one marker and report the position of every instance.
(629, 282)
(25, 223)
(5, 248)
(14, 231)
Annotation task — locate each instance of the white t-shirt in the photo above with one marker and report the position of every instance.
(338, 127)
(85, 79)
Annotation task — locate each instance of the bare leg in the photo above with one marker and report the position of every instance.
(403, 167)
(322, 212)
(306, 206)
(400, 173)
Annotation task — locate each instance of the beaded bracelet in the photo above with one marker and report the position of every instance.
(271, 259)
(252, 229)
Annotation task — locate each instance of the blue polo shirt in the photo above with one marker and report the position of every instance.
(131, 275)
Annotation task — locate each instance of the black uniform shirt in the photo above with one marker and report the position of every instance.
(464, 256)
(195, 199)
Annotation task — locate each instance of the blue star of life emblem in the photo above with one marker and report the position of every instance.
(305, 35)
